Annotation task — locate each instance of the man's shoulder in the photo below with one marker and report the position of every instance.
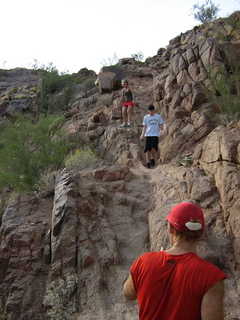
(151, 254)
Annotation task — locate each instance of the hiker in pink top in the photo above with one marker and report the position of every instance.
(177, 284)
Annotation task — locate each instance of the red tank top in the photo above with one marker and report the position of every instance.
(171, 287)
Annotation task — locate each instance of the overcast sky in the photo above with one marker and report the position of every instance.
(74, 34)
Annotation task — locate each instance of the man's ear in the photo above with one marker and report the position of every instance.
(170, 228)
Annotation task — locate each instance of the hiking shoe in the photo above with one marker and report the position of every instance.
(148, 165)
(152, 162)
(123, 125)
(129, 124)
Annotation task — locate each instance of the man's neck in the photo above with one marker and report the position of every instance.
(183, 246)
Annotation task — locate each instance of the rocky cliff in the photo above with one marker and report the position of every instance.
(75, 249)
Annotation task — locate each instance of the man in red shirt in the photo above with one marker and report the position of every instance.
(177, 284)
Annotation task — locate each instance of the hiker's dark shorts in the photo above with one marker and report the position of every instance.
(150, 143)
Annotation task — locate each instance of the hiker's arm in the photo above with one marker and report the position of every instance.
(143, 132)
(161, 127)
(133, 94)
(212, 303)
(120, 101)
(128, 289)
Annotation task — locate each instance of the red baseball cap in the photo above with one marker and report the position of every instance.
(186, 216)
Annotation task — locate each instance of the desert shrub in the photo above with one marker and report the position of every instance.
(27, 149)
(138, 56)
(88, 84)
(3, 72)
(52, 83)
(14, 89)
(216, 118)
(183, 160)
(59, 299)
(53, 103)
(80, 159)
(224, 90)
(230, 24)
(223, 36)
(228, 102)
(105, 99)
(233, 21)
(45, 186)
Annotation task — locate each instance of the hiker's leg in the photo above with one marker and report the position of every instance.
(124, 114)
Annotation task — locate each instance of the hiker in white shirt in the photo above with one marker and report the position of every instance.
(152, 125)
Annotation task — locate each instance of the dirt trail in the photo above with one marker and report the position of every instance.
(126, 218)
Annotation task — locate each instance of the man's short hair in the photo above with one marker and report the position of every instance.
(151, 107)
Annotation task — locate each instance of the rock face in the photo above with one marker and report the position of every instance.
(14, 91)
(102, 218)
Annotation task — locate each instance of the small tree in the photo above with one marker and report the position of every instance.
(138, 56)
(51, 84)
(28, 149)
(110, 61)
(205, 12)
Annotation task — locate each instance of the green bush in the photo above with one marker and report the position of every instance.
(105, 100)
(88, 84)
(225, 90)
(233, 21)
(222, 36)
(45, 186)
(81, 159)
(48, 99)
(60, 298)
(28, 149)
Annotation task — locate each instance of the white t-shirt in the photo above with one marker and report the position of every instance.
(152, 124)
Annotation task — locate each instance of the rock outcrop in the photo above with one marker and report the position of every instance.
(102, 218)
